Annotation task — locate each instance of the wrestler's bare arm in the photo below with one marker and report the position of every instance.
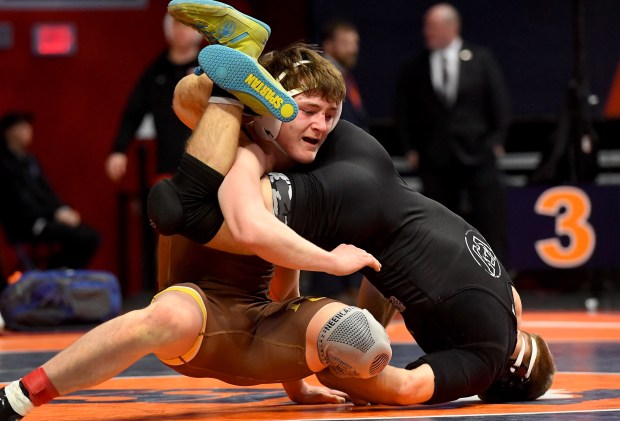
(393, 386)
(281, 246)
(284, 284)
(254, 226)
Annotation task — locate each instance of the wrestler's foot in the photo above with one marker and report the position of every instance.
(222, 24)
(6, 411)
(247, 80)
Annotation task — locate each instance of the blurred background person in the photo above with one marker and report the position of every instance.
(153, 95)
(31, 212)
(452, 116)
(340, 44)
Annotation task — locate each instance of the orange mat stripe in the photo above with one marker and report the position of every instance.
(553, 326)
(570, 392)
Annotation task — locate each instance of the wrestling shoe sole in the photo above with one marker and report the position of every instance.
(247, 80)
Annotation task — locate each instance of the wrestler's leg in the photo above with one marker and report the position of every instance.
(168, 327)
(348, 341)
(372, 300)
(393, 386)
(312, 333)
(191, 97)
(390, 386)
(222, 24)
(187, 203)
(216, 136)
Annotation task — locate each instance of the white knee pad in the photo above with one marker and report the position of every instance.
(354, 344)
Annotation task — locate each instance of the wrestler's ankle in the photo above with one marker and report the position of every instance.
(38, 388)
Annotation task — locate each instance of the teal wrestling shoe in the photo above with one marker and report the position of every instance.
(248, 81)
(222, 24)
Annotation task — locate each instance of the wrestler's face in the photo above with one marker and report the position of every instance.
(302, 137)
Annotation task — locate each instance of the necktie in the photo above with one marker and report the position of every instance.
(444, 78)
(353, 92)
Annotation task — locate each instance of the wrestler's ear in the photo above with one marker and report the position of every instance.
(336, 117)
(542, 374)
(513, 388)
(267, 127)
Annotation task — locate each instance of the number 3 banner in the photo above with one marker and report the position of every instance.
(564, 227)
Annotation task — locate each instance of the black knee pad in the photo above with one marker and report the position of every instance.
(165, 208)
(187, 203)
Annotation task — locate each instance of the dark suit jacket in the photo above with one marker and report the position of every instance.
(153, 94)
(26, 195)
(463, 133)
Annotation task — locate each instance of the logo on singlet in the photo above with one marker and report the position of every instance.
(482, 253)
(282, 195)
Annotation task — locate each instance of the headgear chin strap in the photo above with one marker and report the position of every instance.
(525, 371)
(522, 382)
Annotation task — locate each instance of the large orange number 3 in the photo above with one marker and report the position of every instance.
(571, 222)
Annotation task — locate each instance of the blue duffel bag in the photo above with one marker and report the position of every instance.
(46, 299)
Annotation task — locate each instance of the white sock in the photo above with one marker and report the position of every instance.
(19, 402)
(225, 100)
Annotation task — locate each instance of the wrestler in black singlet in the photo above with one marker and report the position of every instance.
(455, 296)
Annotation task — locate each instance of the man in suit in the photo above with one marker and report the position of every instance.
(340, 41)
(31, 211)
(340, 44)
(452, 116)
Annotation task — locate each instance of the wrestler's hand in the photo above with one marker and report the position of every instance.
(305, 394)
(66, 215)
(350, 259)
(116, 166)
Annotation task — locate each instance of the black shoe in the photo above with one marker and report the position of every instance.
(6, 411)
